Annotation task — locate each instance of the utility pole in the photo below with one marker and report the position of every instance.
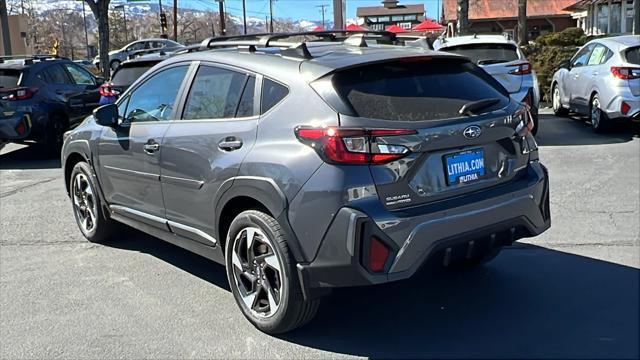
(322, 9)
(244, 15)
(175, 20)
(162, 16)
(338, 20)
(86, 33)
(4, 22)
(271, 14)
(223, 27)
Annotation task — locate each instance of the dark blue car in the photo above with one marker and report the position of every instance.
(43, 96)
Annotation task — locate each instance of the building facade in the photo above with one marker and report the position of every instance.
(599, 17)
(390, 13)
(18, 31)
(501, 16)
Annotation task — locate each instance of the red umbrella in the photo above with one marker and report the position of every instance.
(318, 28)
(428, 25)
(354, 27)
(396, 29)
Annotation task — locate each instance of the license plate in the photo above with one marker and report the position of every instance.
(464, 167)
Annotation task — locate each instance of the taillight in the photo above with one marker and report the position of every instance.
(353, 145)
(625, 73)
(378, 254)
(523, 68)
(624, 108)
(107, 90)
(524, 120)
(19, 94)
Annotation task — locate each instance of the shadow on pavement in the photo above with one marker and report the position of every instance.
(557, 131)
(21, 157)
(529, 302)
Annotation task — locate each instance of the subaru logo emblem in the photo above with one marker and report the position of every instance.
(472, 132)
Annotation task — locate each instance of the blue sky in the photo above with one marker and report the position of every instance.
(298, 9)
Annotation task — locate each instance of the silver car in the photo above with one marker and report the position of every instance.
(602, 80)
(116, 57)
(501, 57)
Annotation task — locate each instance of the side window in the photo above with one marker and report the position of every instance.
(606, 56)
(154, 99)
(79, 75)
(597, 55)
(245, 109)
(137, 46)
(581, 58)
(272, 93)
(215, 94)
(56, 75)
(122, 107)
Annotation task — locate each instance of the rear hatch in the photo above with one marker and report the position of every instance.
(128, 73)
(632, 56)
(499, 60)
(444, 153)
(9, 86)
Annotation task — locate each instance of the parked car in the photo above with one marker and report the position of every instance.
(126, 74)
(602, 81)
(43, 96)
(90, 66)
(310, 166)
(501, 57)
(116, 57)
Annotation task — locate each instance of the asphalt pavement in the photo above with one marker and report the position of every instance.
(572, 292)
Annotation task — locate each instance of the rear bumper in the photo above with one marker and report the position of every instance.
(613, 109)
(17, 127)
(516, 211)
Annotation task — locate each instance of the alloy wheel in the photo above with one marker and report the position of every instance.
(84, 203)
(257, 272)
(595, 113)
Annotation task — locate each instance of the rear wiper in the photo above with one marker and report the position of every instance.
(491, 61)
(471, 107)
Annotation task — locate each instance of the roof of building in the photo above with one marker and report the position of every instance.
(381, 10)
(492, 9)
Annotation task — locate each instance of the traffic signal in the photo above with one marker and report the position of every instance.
(163, 22)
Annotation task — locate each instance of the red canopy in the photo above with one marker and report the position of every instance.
(318, 28)
(396, 29)
(354, 27)
(428, 25)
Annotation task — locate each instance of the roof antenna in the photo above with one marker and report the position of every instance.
(356, 40)
(475, 35)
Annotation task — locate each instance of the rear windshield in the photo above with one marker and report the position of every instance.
(127, 75)
(484, 54)
(415, 91)
(632, 55)
(9, 78)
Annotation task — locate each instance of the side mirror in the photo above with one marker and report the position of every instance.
(106, 115)
(565, 64)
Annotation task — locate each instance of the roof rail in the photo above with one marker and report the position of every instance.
(295, 49)
(30, 58)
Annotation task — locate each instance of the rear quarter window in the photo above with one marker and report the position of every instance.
(272, 93)
(632, 55)
(9, 78)
(416, 91)
(486, 53)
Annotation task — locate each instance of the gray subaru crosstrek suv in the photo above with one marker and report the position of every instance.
(304, 166)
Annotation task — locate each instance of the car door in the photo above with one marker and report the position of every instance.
(206, 147)
(129, 154)
(599, 55)
(574, 81)
(64, 91)
(87, 87)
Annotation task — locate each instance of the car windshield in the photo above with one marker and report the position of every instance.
(485, 54)
(415, 91)
(9, 78)
(633, 55)
(127, 75)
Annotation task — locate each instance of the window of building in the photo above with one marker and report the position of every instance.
(405, 25)
(397, 18)
(629, 16)
(603, 18)
(615, 18)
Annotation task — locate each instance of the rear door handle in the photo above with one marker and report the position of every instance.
(230, 144)
(151, 147)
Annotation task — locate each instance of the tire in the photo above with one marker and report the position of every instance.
(477, 261)
(114, 65)
(53, 136)
(86, 205)
(558, 110)
(253, 277)
(599, 121)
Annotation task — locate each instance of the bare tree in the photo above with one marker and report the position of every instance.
(522, 22)
(100, 9)
(462, 17)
